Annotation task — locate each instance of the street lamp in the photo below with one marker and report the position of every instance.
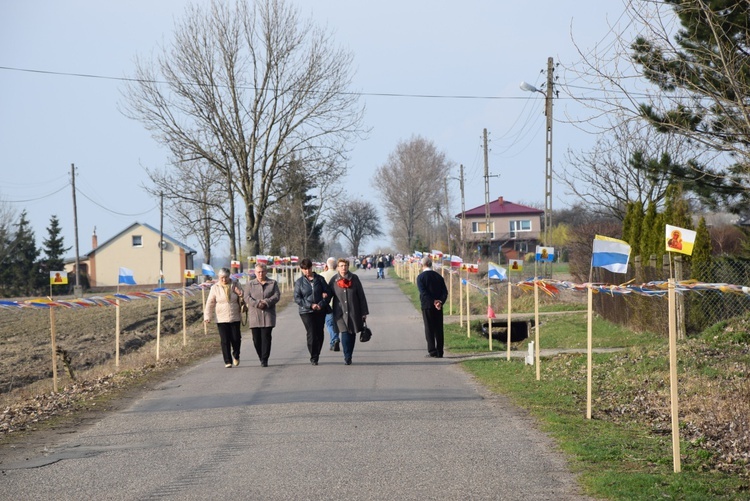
(548, 164)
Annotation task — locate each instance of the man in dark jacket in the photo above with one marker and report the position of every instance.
(432, 296)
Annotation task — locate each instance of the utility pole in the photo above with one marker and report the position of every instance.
(487, 195)
(463, 211)
(77, 290)
(548, 156)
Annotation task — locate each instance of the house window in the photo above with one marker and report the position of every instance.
(137, 241)
(521, 246)
(519, 226)
(481, 227)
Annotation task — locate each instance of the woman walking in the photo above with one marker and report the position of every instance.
(261, 295)
(349, 307)
(312, 294)
(224, 302)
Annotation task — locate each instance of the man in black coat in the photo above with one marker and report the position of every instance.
(432, 296)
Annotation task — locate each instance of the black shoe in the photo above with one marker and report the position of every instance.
(348, 361)
(314, 362)
(263, 363)
(431, 355)
(336, 346)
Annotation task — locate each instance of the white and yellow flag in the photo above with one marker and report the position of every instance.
(680, 240)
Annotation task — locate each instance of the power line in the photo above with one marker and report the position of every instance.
(112, 211)
(364, 94)
(39, 198)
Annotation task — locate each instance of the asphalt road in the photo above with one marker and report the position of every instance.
(393, 425)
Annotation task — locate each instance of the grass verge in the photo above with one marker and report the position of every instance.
(625, 450)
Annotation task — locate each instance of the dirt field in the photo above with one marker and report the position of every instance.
(86, 334)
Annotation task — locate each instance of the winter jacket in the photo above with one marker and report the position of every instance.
(349, 304)
(254, 292)
(227, 309)
(307, 292)
(431, 287)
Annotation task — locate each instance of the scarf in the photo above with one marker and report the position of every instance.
(344, 283)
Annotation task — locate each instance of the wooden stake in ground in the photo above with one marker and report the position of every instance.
(468, 309)
(450, 291)
(671, 295)
(536, 326)
(460, 301)
(203, 302)
(53, 331)
(507, 346)
(590, 293)
(489, 308)
(117, 330)
(158, 326)
(184, 312)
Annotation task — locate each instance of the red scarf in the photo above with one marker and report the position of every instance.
(344, 283)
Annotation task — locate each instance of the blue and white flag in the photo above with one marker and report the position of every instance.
(496, 271)
(545, 254)
(126, 277)
(208, 270)
(417, 254)
(611, 254)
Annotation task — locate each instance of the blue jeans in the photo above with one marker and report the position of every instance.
(347, 344)
(331, 330)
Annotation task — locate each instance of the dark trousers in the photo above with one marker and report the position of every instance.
(262, 342)
(433, 331)
(314, 323)
(231, 338)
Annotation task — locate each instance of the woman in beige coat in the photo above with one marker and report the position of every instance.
(224, 303)
(261, 295)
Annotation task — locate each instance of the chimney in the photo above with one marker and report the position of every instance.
(500, 200)
(94, 241)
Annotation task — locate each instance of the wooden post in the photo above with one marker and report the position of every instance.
(507, 346)
(489, 306)
(158, 326)
(450, 291)
(679, 299)
(536, 327)
(673, 376)
(468, 309)
(184, 314)
(117, 332)
(590, 294)
(53, 331)
(460, 301)
(203, 302)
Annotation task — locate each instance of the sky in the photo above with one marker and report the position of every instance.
(451, 69)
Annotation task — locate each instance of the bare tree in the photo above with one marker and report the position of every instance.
(356, 221)
(410, 184)
(682, 66)
(620, 168)
(197, 203)
(248, 89)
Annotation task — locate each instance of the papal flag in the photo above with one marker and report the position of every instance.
(545, 254)
(611, 254)
(125, 276)
(189, 274)
(208, 270)
(515, 264)
(680, 240)
(496, 271)
(58, 277)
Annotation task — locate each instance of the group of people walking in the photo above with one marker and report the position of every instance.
(227, 301)
(336, 299)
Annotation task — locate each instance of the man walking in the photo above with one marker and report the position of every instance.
(328, 273)
(432, 296)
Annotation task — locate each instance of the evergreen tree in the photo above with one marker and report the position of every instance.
(54, 247)
(647, 246)
(702, 248)
(24, 276)
(634, 224)
(703, 71)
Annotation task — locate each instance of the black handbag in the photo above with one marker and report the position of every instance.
(366, 334)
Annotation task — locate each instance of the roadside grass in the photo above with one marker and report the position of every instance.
(625, 450)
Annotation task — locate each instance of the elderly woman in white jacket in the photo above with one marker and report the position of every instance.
(224, 303)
